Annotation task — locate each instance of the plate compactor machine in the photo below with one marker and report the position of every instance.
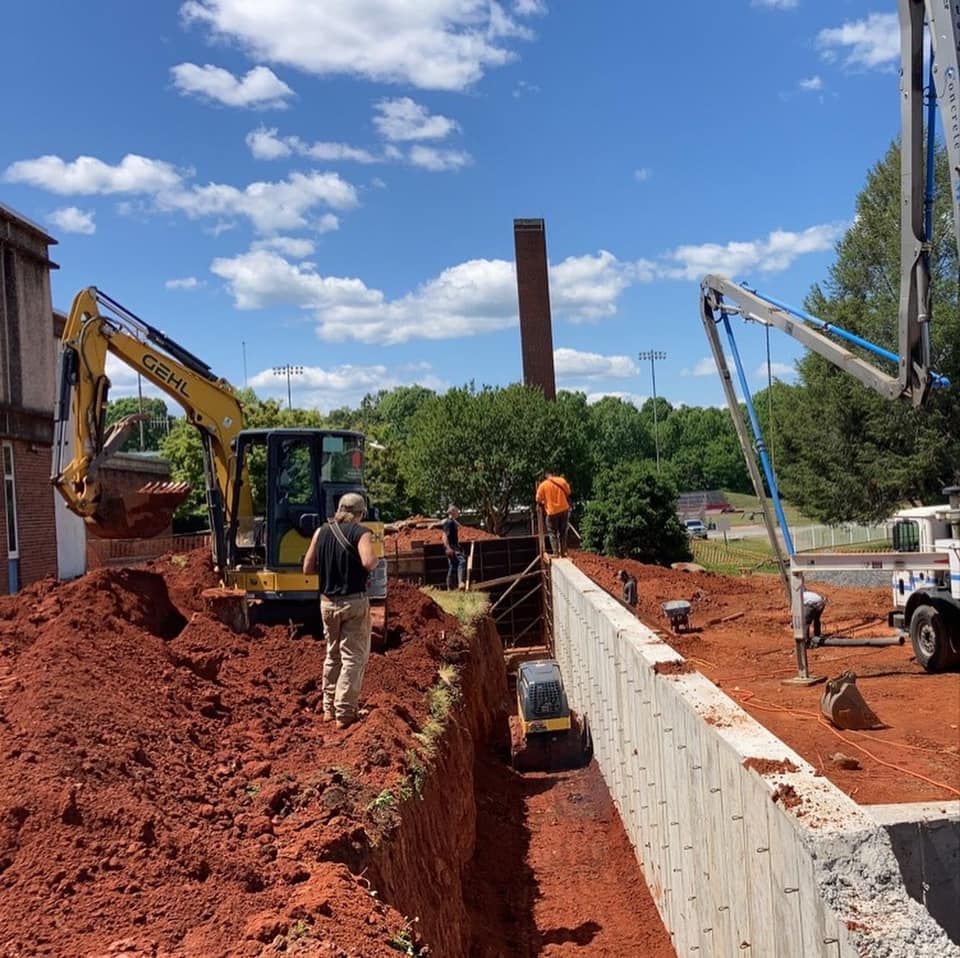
(545, 735)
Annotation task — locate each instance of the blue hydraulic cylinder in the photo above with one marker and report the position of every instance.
(930, 186)
(939, 381)
(758, 436)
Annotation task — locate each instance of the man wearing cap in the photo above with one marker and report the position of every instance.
(456, 560)
(342, 553)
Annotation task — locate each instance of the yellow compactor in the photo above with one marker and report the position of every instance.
(545, 734)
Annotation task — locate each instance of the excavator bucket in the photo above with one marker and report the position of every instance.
(843, 704)
(137, 515)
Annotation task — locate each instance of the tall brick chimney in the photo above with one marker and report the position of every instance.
(533, 290)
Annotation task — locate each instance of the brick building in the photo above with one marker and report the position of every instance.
(29, 540)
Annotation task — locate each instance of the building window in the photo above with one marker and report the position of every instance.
(10, 501)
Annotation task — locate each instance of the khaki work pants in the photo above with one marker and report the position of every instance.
(346, 628)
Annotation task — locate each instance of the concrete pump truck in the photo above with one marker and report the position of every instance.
(926, 560)
(267, 490)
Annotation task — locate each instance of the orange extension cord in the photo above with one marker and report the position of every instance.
(748, 696)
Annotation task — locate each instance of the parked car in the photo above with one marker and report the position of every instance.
(696, 529)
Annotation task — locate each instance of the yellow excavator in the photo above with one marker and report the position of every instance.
(267, 490)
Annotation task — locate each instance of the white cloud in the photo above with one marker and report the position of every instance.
(773, 254)
(587, 287)
(810, 84)
(293, 246)
(260, 88)
(779, 371)
(635, 398)
(123, 382)
(87, 176)
(775, 4)
(642, 174)
(265, 144)
(284, 205)
(524, 87)
(529, 8)
(71, 219)
(574, 364)
(702, 367)
(439, 45)
(261, 277)
(470, 298)
(326, 389)
(438, 161)
(187, 282)
(402, 119)
(871, 42)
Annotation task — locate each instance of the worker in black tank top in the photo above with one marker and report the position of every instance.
(342, 554)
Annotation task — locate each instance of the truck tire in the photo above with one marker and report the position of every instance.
(930, 637)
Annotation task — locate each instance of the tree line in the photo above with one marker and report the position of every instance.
(841, 452)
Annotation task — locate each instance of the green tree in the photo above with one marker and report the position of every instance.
(618, 432)
(633, 516)
(385, 417)
(484, 449)
(845, 452)
(155, 427)
(701, 450)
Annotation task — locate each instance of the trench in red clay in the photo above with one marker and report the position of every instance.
(167, 790)
(554, 873)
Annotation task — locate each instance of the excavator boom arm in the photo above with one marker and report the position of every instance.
(209, 403)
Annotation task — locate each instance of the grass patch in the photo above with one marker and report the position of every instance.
(404, 940)
(750, 504)
(383, 809)
(299, 931)
(466, 607)
(736, 557)
(441, 698)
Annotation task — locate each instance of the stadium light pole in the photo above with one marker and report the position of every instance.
(653, 355)
(288, 371)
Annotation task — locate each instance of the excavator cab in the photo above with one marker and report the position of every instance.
(285, 484)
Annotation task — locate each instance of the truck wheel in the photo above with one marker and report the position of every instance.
(930, 637)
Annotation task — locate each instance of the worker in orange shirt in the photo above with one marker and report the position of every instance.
(553, 497)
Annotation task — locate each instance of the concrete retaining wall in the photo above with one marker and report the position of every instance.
(926, 840)
(732, 870)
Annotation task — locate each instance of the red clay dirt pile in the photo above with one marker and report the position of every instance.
(167, 788)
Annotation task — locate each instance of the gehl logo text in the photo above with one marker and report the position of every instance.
(163, 372)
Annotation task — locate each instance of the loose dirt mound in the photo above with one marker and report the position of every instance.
(167, 787)
(741, 638)
(419, 530)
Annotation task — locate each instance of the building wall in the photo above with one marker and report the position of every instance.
(26, 395)
(36, 525)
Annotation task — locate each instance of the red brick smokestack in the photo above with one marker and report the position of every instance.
(533, 289)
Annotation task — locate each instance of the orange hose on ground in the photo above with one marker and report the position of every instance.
(772, 707)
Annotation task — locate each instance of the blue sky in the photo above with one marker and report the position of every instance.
(334, 183)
